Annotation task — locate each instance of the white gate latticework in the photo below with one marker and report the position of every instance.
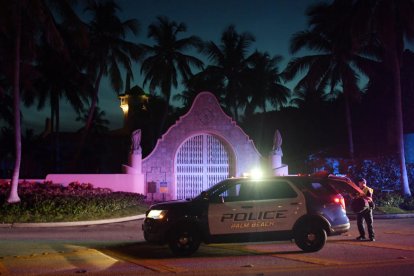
(201, 162)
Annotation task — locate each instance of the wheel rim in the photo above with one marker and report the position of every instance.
(183, 240)
(311, 237)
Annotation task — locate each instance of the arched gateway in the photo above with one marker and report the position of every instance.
(201, 161)
(203, 147)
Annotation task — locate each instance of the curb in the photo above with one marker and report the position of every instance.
(139, 217)
(73, 223)
(386, 216)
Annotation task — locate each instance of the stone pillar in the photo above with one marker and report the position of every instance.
(134, 167)
(135, 154)
(276, 156)
(135, 163)
(278, 167)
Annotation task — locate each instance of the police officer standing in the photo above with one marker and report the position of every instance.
(366, 214)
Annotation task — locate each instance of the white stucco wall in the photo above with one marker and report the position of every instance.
(132, 183)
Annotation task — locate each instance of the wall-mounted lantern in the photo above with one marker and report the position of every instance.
(124, 103)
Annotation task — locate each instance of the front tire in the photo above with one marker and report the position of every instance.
(310, 237)
(184, 240)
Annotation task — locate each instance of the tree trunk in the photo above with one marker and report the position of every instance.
(57, 130)
(348, 118)
(94, 101)
(13, 196)
(89, 120)
(399, 127)
(392, 37)
(167, 92)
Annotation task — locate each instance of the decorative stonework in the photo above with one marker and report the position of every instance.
(204, 117)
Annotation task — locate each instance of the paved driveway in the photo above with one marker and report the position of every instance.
(119, 249)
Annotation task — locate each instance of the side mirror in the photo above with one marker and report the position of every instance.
(204, 195)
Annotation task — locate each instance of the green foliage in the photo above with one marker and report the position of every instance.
(382, 173)
(48, 202)
(388, 200)
(408, 204)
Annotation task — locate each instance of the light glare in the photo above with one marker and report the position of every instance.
(256, 173)
(157, 214)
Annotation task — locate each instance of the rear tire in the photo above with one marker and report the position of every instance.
(310, 237)
(184, 240)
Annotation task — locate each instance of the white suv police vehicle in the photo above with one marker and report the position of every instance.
(304, 208)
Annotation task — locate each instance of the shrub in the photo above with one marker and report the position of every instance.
(43, 202)
(408, 204)
(388, 200)
(382, 173)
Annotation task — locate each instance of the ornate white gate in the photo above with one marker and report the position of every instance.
(201, 161)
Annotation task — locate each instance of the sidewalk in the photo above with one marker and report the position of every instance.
(138, 217)
(74, 223)
(386, 216)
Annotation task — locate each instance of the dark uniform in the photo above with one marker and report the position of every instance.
(367, 216)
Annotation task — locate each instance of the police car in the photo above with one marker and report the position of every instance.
(305, 209)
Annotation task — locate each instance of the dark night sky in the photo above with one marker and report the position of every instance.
(272, 22)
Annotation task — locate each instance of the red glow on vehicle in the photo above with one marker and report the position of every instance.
(340, 200)
(320, 174)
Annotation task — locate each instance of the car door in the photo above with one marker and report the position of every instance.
(280, 205)
(232, 209)
(255, 206)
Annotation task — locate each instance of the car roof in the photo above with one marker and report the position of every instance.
(320, 176)
(297, 176)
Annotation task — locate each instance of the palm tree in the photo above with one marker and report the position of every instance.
(16, 23)
(59, 78)
(337, 56)
(22, 22)
(265, 82)
(392, 22)
(108, 48)
(198, 83)
(165, 61)
(407, 86)
(99, 123)
(230, 64)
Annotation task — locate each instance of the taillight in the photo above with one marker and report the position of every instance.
(339, 199)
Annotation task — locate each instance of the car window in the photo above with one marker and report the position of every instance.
(273, 190)
(254, 190)
(344, 188)
(231, 192)
(317, 187)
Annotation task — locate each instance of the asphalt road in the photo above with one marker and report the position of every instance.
(119, 249)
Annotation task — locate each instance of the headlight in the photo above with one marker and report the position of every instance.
(157, 214)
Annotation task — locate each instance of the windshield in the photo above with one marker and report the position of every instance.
(212, 190)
